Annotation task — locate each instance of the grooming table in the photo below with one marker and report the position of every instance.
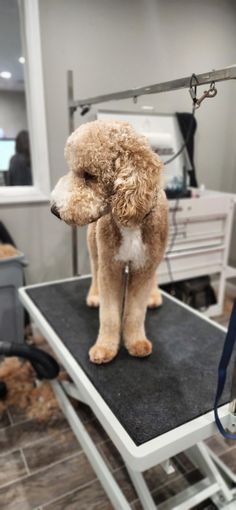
(151, 408)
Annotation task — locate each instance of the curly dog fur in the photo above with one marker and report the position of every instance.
(115, 185)
(7, 250)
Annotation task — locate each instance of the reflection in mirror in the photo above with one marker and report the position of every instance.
(15, 160)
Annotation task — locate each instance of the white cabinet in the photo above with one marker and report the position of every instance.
(199, 240)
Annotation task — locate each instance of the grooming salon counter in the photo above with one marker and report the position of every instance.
(199, 240)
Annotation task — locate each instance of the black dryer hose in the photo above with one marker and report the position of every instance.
(44, 365)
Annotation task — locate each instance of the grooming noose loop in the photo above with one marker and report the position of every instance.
(211, 92)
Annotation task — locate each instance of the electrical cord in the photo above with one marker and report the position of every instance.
(174, 221)
(177, 154)
(172, 242)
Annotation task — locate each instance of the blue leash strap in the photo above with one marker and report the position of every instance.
(222, 370)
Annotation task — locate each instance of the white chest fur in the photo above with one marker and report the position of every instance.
(132, 248)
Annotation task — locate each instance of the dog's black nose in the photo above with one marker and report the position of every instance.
(55, 211)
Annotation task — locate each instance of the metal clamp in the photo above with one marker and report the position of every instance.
(211, 92)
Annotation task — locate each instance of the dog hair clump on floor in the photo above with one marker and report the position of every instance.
(7, 250)
(38, 401)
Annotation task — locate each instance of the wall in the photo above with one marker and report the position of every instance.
(45, 242)
(149, 41)
(112, 45)
(12, 113)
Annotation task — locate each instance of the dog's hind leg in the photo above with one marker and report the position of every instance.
(139, 289)
(93, 294)
(155, 298)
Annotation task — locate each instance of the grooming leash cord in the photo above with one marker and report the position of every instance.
(230, 340)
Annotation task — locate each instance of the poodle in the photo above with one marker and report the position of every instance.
(115, 185)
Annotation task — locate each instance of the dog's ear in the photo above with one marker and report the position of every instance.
(135, 187)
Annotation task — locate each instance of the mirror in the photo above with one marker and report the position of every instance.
(15, 154)
(24, 167)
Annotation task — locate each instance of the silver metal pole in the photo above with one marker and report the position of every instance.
(71, 111)
(228, 73)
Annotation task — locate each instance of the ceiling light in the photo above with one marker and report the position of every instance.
(147, 107)
(21, 60)
(5, 74)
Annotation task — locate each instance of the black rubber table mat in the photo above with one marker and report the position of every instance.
(149, 396)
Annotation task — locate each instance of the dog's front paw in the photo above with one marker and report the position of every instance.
(140, 348)
(93, 300)
(101, 354)
(155, 299)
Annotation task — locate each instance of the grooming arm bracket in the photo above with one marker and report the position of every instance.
(228, 73)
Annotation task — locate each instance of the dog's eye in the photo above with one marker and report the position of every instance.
(89, 177)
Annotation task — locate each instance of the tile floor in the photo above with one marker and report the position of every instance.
(42, 467)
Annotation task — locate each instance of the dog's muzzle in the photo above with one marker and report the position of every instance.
(55, 211)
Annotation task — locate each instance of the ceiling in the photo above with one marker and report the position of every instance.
(10, 46)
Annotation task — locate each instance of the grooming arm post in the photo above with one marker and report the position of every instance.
(71, 111)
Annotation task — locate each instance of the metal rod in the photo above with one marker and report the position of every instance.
(70, 98)
(228, 73)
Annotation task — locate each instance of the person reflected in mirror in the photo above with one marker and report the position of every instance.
(19, 173)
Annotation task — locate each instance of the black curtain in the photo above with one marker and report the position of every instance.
(5, 237)
(188, 126)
